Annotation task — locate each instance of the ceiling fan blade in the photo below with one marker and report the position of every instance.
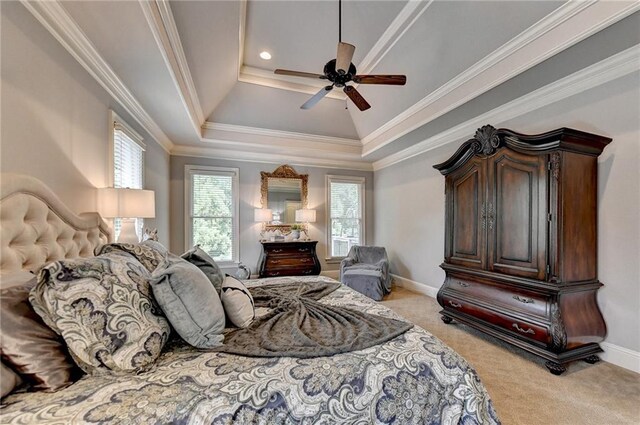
(356, 98)
(395, 80)
(344, 56)
(316, 97)
(299, 74)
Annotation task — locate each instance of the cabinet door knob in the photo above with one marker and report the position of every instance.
(454, 305)
(523, 300)
(528, 331)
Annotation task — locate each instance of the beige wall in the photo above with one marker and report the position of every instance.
(55, 120)
(411, 195)
(250, 199)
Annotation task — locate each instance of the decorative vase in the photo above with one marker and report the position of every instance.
(295, 234)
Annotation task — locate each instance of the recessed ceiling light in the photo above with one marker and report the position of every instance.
(265, 55)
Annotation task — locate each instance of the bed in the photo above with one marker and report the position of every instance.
(413, 378)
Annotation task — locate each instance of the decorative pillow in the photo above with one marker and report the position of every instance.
(149, 253)
(104, 310)
(237, 302)
(28, 346)
(189, 301)
(198, 257)
(9, 380)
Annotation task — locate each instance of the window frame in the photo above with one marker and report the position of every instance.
(116, 122)
(189, 171)
(332, 178)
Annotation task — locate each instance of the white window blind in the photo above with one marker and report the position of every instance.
(128, 165)
(213, 210)
(346, 214)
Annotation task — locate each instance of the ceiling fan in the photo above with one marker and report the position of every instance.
(340, 71)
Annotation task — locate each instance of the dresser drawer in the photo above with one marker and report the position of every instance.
(515, 326)
(289, 251)
(289, 271)
(506, 296)
(277, 261)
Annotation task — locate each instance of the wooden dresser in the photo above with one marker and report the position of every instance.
(521, 241)
(288, 259)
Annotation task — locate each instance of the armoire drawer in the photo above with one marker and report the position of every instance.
(517, 326)
(506, 296)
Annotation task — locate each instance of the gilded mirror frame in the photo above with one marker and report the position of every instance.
(283, 172)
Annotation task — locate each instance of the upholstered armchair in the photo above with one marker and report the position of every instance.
(366, 269)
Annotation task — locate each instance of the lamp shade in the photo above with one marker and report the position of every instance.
(126, 203)
(306, 216)
(262, 214)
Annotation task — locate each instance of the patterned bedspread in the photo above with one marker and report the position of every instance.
(412, 379)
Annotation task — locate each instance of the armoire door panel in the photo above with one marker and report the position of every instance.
(467, 244)
(517, 214)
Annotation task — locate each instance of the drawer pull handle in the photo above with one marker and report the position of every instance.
(523, 300)
(274, 273)
(305, 260)
(528, 331)
(275, 261)
(307, 272)
(454, 305)
(303, 249)
(463, 284)
(277, 250)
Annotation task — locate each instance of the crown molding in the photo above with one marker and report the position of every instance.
(281, 134)
(269, 158)
(164, 30)
(53, 16)
(398, 27)
(602, 72)
(542, 40)
(263, 77)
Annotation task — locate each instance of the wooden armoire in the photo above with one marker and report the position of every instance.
(521, 241)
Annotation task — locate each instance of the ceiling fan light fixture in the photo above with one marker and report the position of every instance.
(265, 55)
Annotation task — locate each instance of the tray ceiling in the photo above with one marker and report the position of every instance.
(190, 71)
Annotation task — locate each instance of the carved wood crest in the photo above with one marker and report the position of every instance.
(486, 140)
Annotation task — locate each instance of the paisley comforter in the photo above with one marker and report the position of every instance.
(412, 379)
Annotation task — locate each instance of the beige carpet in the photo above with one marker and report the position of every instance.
(522, 389)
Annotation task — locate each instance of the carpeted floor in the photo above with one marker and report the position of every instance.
(522, 389)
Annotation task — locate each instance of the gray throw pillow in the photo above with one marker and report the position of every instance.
(189, 301)
(204, 262)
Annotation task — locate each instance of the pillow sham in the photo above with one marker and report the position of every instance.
(204, 262)
(189, 301)
(28, 346)
(237, 302)
(104, 310)
(149, 253)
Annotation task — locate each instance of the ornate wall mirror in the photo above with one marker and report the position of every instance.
(284, 191)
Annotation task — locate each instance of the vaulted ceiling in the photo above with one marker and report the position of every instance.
(190, 73)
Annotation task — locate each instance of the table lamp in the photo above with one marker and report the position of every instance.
(262, 215)
(127, 204)
(306, 216)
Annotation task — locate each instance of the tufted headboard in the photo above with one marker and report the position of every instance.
(37, 228)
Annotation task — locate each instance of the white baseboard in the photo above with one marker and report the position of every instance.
(614, 354)
(414, 286)
(334, 274)
(621, 356)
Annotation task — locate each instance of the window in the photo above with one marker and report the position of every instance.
(212, 211)
(345, 200)
(127, 157)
